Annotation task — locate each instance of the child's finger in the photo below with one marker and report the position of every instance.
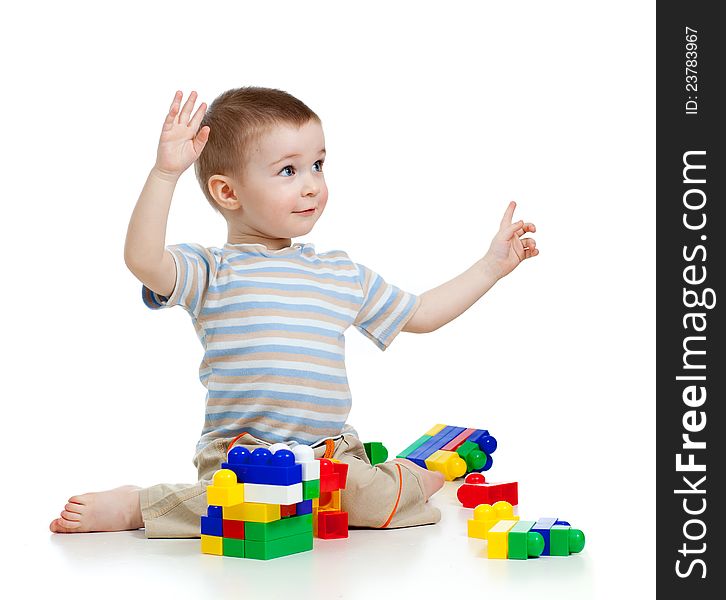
(508, 214)
(198, 116)
(187, 108)
(511, 230)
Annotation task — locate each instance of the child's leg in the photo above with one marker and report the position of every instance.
(164, 510)
(390, 494)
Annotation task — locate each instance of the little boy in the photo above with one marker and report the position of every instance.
(271, 314)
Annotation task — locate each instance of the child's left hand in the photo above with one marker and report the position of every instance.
(507, 250)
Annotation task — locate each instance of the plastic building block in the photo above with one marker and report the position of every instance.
(436, 429)
(233, 529)
(475, 446)
(304, 508)
(333, 475)
(224, 490)
(473, 455)
(450, 464)
(376, 452)
(264, 532)
(211, 526)
(498, 538)
(523, 543)
(214, 511)
(442, 438)
(285, 546)
(417, 444)
(543, 526)
(459, 440)
(273, 494)
(311, 489)
(486, 442)
(252, 511)
(486, 515)
(305, 457)
(565, 540)
(329, 500)
(263, 467)
(288, 510)
(332, 524)
(475, 491)
(233, 547)
(211, 544)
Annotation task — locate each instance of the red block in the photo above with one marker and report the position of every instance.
(333, 476)
(332, 524)
(472, 495)
(233, 529)
(288, 510)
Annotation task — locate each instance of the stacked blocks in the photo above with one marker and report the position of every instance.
(263, 504)
(453, 451)
(329, 520)
(509, 537)
(475, 490)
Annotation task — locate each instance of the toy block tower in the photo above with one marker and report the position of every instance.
(329, 520)
(454, 451)
(260, 505)
(265, 504)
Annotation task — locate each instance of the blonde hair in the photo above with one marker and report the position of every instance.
(237, 118)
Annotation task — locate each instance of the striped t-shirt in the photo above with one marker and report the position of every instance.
(271, 323)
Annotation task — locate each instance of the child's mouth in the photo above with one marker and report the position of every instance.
(309, 211)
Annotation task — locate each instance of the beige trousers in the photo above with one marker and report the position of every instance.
(385, 495)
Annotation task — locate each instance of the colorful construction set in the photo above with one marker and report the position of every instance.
(272, 502)
(453, 451)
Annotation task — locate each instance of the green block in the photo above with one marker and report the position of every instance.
(263, 532)
(233, 547)
(293, 544)
(311, 489)
(419, 442)
(565, 540)
(473, 455)
(524, 543)
(377, 452)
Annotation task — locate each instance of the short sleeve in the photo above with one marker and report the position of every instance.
(385, 309)
(195, 268)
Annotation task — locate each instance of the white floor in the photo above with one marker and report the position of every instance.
(437, 561)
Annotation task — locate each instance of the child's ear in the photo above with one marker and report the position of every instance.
(222, 189)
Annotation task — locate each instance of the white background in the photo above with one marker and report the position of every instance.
(435, 117)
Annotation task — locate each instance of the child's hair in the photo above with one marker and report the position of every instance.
(236, 119)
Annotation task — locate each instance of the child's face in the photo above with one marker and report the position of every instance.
(283, 192)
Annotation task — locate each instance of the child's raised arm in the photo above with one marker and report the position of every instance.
(446, 302)
(179, 146)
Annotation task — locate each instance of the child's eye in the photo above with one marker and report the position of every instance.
(287, 171)
(319, 164)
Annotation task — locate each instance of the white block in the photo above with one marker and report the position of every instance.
(273, 494)
(310, 470)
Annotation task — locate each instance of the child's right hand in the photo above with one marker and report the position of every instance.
(180, 143)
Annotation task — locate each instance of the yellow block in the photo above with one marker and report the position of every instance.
(498, 537)
(329, 500)
(224, 490)
(212, 544)
(448, 463)
(487, 515)
(252, 511)
(435, 429)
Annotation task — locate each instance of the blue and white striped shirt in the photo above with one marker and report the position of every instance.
(271, 323)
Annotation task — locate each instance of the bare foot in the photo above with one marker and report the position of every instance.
(113, 510)
(433, 481)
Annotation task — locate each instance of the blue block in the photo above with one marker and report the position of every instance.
(486, 442)
(212, 526)
(261, 466)
(437, 442)
(304, 508)
(543, 526)
(214, 511)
